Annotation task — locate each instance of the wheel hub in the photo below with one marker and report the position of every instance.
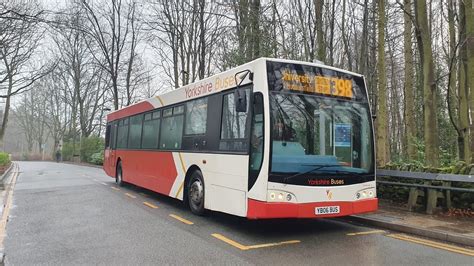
(196, 192)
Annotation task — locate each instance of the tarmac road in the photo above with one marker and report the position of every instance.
(68, 214)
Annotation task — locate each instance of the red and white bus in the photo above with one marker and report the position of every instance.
(268, 139)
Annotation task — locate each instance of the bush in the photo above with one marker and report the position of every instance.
(90, 146)
(97, 158)
(69, 150)
(4, 159)
(85, 149)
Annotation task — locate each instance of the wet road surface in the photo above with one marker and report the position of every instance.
(68, 214)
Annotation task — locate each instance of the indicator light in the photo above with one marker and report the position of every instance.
(272, 196)
(280, 196)
(371, 193)
(364, 194)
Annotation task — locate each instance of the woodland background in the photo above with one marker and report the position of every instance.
(64, 64)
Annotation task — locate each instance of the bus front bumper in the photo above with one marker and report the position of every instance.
(268, 210)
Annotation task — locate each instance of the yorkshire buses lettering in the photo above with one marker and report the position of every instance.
(205, 88)
(198, 90)
(318, 84)
(224, 83)
(325, 182)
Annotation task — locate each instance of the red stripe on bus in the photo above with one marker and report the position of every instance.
(155, 170)
(130, 110)
(267, 210)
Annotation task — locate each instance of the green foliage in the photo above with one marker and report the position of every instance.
(67, 151)
(89, 150)
(90, 146)
(4, 159)
(97, 158)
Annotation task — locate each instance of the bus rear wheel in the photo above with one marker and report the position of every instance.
(119, 175)
(196, 193)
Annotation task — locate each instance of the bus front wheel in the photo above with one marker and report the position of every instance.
(196, 193)
(119, 174)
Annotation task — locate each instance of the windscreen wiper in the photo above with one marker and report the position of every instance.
(318, 167)
(350, 173)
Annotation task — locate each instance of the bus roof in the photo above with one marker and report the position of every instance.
(206, 86)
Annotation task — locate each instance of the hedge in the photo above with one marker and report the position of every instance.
(4, 159)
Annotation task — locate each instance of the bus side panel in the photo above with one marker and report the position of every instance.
(152, 170)
(107, 164)
(225, 180)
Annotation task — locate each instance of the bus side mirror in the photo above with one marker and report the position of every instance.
(240, 97)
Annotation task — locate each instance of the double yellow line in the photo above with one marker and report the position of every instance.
(244, 247)
(9, 199)
(452, 248)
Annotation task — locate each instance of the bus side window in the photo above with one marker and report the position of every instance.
(107, 136)
(122, 133)
(135, 132)
(256, 140)
(234, 133)
(151, 129)
(113, 134)
(171, 131)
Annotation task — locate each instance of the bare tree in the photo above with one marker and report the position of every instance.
(19, 41)
(110, 26)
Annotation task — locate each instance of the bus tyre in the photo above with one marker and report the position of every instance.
(196, 193)
(119, 175)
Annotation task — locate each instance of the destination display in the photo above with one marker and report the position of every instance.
(317, 84)
(314, 80)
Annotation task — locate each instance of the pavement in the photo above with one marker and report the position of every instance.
(63, 214)
(459, 230)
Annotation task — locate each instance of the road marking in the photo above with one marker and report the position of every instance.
(244, 247)
(115, 188)
(143, 194)
(103, 183)
(230, 242)
(130, 195)
(95, 180)
(366, 233)
(181, 219)
(452, 248)
(150, 205)
(8, 203)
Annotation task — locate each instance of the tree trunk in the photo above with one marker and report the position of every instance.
(462, 89)
(409, 88)
(254, 41)
(382, 116)
(6, 111)
(469, 8)
(318, 4)
(429, 85)
(363, 56)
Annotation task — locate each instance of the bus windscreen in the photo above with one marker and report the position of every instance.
(321, 130)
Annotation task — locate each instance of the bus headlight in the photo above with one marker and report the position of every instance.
(280, 196)
(365, 194)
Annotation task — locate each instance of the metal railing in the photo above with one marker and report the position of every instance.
(433, 186)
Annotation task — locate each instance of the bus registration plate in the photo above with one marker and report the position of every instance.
(327, 210)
